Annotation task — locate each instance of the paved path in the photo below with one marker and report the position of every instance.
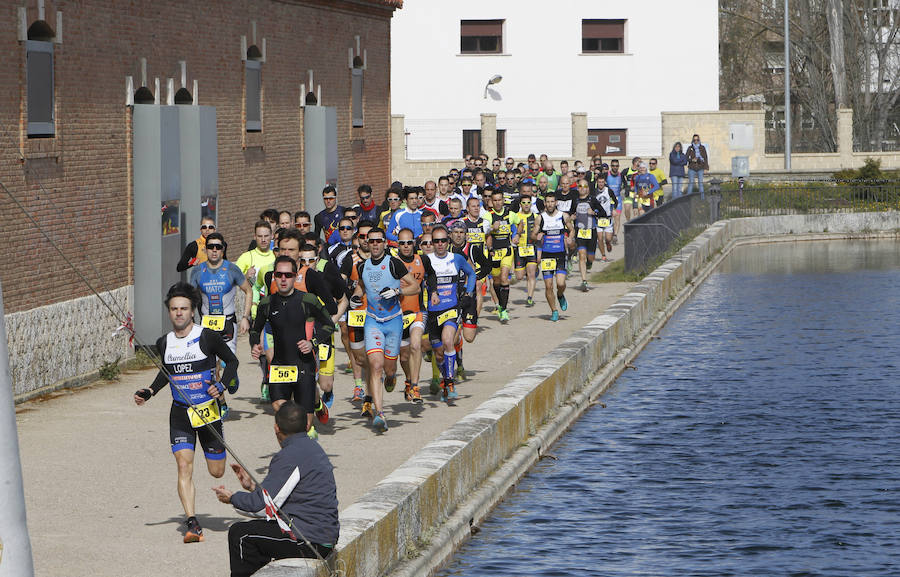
(100, 481)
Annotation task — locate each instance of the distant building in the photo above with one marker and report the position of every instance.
(620, 63)
(72, 75)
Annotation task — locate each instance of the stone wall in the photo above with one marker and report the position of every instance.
(413, 520)
(63, 344)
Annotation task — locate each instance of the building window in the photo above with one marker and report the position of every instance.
(501, 143)
(481, 36)
(471, 142)
(356, 88)
(39, 80)
(603, 36)
(253, 89)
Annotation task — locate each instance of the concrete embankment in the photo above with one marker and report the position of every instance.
(413, 520)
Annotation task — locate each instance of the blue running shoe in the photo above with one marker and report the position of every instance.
(450, 392)
(563, 304)
(555, 316)
(379, 422)
(328, 398)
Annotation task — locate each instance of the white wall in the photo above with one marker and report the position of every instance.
(670, 50)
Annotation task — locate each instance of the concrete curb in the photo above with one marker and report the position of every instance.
(455, 480)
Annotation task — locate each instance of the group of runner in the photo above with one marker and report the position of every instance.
(402, 280)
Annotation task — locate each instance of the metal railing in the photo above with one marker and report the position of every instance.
(804, 197)
(650, 235)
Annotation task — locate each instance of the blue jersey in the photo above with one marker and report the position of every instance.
(191, 366)
(449, 269)
(217, 287)
(377, 276)
(646, 183)
(554, 228)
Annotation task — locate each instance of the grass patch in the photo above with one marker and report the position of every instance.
(616, 271)
(109, 371)
(141, 360)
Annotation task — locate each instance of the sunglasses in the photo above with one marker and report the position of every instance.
(582, 187)
(652, 164)
(393, 200)
(406, 242)
(307, 260)
(376, 240)
(425, 243)
(361, 236)
(365, 198)
(329, 198)
(345, 228)
(207, 226)
(215, 247)
(302, 224)
(280, 274)
(441, 240)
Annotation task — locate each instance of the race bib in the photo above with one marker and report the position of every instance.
(585, 233)
(208, 412)
(602, 222)
(213, 322)
(446, 316)
(504, 229)
(356, 318)
(548, 264)
(475, 237)
(500, 253)
(324, 352)
(283, 374)
(527, 250)
(408, 320)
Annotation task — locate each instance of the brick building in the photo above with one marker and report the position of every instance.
(65, 135)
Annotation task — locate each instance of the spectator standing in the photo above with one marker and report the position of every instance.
(698, 162)
(677, 161)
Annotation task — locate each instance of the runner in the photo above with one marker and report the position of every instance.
(504, 233)
(585, 210)
(445, 304)
(383, 279)
(615, 181)
(195, 252)
(218, 281)
(478, 230)
(368, 210)
(327, 218)
(550, 228)
(629, 200)
(413, 315)
(526, 256)
(299, 323)
(188, 354)
(393, 201)
(605, 232)
(356, 316)
(645, 185)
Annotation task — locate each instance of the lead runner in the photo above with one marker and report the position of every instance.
(189, 355)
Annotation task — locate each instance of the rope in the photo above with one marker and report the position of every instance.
(124, 318)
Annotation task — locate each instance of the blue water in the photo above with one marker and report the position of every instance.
(759, 436)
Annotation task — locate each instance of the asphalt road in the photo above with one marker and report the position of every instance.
(100, 480)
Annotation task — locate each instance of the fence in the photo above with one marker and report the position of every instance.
(804, 197)
(650, 235)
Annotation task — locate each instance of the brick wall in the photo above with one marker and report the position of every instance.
(77, 185)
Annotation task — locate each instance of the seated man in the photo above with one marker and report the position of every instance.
(300, 483)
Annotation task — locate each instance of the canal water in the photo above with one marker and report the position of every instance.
(760, 435)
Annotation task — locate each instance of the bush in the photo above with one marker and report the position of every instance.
(870, 170)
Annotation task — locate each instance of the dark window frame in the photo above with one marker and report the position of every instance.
(253, 72)
(481, 36)
(501, 143)
(40, 126)
(603, 36)
(471, 140)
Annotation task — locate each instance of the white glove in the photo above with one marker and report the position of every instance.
(389, 293)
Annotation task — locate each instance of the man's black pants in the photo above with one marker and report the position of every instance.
(252, 544)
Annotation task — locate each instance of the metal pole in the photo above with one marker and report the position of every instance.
(787, 85)
(15, 546)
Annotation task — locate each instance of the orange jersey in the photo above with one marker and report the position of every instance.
(353, 281)
(412, 303)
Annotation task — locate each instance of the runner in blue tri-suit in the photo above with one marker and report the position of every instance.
(445, 305)
(383, 279)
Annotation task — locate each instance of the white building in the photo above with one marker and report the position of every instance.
(622, 63)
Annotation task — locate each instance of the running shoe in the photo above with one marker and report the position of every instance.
(450, 393)
(555, 316)
(312, 434)
(322, 412)
(348, 370)
(264, 393)
(358, 394)
(615, 239)
(367, 410)
(563, 303)
(608, 246)
(584, 287)
(379, 422)
(461, 372)
(435, 386)
(389, 383)
(328, 398)
(223, 408)
(529, 302)
(194, 532)
(504, 316)
(604, 259)
(412, 394)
